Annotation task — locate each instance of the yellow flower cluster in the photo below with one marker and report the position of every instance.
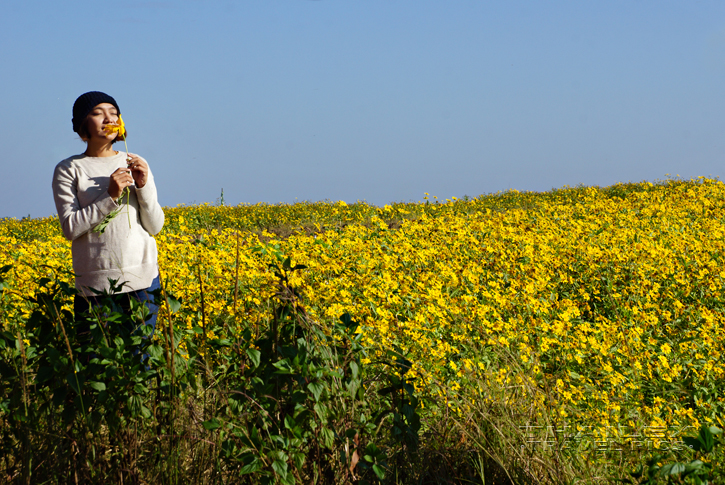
(611, 297)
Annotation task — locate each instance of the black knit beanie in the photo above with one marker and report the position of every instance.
(86, 102)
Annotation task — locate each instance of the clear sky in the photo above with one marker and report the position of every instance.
(376, 100)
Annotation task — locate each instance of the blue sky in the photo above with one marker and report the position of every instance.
(284, 100)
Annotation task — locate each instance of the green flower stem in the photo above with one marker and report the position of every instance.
(128, 191)
(101, 227)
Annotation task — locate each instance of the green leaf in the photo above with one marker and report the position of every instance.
(672, 469)
(283, 367)
(707, 439)
(316, 389)
(155, 351)
(328, 437)
(352, 387)
(299, 459)
(251, 467)
(145, 412)
(348, 322)
(280, 468)
(321, 411)
(174, 304)
(98, 386)
(101, 227)
(212, 424)
(135, 405)
(379, 471)
(255, 356)
(219, 342)
(355, 369)
(289, 422)
(72, 380)
(255, 437)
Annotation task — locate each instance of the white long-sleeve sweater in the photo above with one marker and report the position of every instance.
(123, 253)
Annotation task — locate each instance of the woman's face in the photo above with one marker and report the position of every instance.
(100, 116)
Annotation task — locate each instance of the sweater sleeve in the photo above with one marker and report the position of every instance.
(74, 219)
(152, 216)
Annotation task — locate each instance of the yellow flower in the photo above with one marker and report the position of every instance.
(666, 349)
(119, 127)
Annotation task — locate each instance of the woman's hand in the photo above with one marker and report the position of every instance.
(139, 170)
(120, 179)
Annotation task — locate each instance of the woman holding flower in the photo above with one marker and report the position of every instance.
(107, 206)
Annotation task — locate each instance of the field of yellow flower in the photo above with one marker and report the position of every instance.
(611, 299)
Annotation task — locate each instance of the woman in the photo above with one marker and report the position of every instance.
(87, 188)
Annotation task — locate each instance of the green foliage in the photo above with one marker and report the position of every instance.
(79, 386)
(296, 405)
(290, 402)
(700, 450)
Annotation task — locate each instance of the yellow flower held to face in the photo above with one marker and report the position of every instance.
(119, 127)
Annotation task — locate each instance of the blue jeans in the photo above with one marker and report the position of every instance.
(81, 305)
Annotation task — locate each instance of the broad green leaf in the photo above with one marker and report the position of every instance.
(98, 386)
(145, 412)
(707, 439)
(316, 389)
(289, 422)
(379, 471)
(174, 304)
(352, 387)
(253, 466)
(255, 356)
(212, 424)
(135, 405)
(283, 367)
(299, 459)
(672, 469)
(155, 351)
(280, 468)
(328, 437)
(218, 342)
(321, 411)
(694, 466)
